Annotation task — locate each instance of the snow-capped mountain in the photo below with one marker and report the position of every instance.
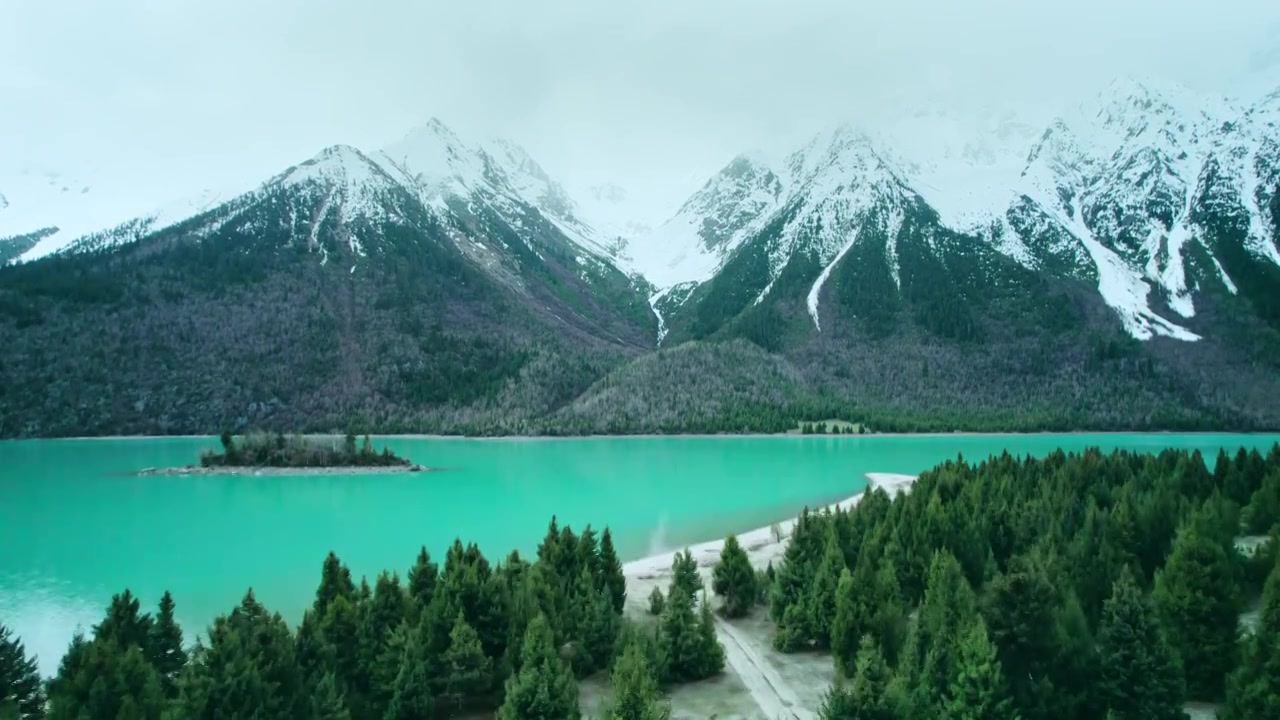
(431, 161)
(434, 275)
(1121, 193)
(710, 224)
(36, 206)
(444, 285)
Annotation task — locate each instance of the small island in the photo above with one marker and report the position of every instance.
(280, 454)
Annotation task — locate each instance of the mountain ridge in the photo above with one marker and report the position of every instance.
(1126, 276)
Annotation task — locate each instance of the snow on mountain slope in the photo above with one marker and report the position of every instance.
(40, 200)
(91, 215)
(711, 223)
(966, 168)
(1121, 175)
(440, 164)
(842, 184)
(609, 209)
(1255, 159)
(341, 181)
(1107, 193)
(431, 162)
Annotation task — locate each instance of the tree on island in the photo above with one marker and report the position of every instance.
(278, 450)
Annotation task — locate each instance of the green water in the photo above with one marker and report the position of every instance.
(77, 525)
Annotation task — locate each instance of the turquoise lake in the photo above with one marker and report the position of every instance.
(77, 524)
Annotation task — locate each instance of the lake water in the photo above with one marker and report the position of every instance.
(77, 525)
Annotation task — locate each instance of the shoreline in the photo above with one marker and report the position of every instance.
(760, 543)
(253, 471)
(647, 436)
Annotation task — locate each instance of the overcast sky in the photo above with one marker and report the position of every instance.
(654, 95)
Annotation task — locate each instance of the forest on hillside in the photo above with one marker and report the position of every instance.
(1072, 586)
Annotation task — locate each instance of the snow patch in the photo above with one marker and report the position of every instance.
(822, 279)
(653, 305)
(1222, 274)
(1124, 291)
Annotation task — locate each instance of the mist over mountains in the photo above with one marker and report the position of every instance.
(1116, 268)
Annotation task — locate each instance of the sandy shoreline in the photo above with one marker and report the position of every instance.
(760, 544)
(756, 684)
(276, 471)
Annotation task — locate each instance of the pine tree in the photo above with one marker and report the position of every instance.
(868, 698)
(328, 703)
(588, 555)
(1020, 609)
(600, 632)
(335, 581)
(124, 625)
(678, 638)
(1075, 665)
(422, 579)
(164, 646)
(847, 632)
(21, 692)
(469, 674)
(978, 691)
(687, 640)
(611, 572)
(1140, 678)
(657, 601)
(685, 576)
(635, 688)
(1254, 688)
(820, 600)
(888, 621)
(312, 652)
(412, 696)
(341, 629)
(248, 669)
(932, 650)
(386, 612)
(1263, 512)
(104, 680)
(1196, 601)
(799, 561)
(543, 689)
(734, 580)
(711, 652)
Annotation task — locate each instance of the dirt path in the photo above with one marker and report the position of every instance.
(776, 698)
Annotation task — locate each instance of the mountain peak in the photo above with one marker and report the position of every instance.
(336, 163)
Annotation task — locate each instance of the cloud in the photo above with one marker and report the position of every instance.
(651, 95)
